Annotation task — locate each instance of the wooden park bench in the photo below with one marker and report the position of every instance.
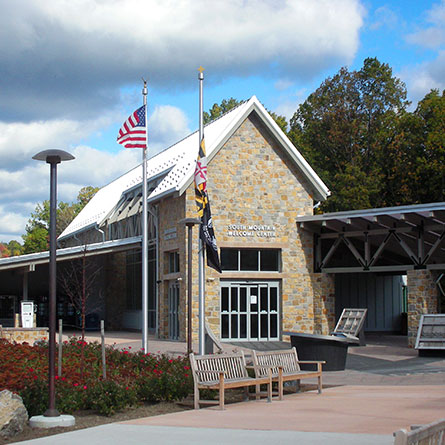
(285, 366)
(431, 434)
(224, 371)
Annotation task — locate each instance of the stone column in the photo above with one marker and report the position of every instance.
(422, 299)
(323, 286)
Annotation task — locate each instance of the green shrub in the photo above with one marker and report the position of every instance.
(107, 397)
(131, 377)
(35, 397)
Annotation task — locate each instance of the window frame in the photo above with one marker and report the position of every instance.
(259, 252)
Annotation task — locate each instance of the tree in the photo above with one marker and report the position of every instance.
(4, 251)
(218, 110)
(36, 237)
(84, 196)
(280, 120)
(15, 248)
(35, 240)
(426, 150)
(78, 281)
(344, 130)
(228, 104)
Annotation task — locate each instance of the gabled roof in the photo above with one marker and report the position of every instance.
(177, 164)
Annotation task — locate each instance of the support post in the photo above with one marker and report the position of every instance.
(189, 222)
(144, 234)
(102, 337)
(59, 368)
(201, 268)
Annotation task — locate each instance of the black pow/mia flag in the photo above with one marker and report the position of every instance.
(206, 233)
(208, 239)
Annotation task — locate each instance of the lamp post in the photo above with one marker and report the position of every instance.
(189, 222)
(52, 157)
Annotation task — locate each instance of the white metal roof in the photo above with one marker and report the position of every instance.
(32, 259)
(178, 164)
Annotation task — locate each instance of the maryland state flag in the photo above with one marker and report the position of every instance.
(206, 232)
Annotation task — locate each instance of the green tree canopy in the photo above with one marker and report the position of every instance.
(36, 236)
(218, 110)
(228, 104)
(344, 130)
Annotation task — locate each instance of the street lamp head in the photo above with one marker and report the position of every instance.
(190, 221)
(53, 156)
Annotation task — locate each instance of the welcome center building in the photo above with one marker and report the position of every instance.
(283, 268)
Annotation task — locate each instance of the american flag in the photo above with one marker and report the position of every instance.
(133, 132)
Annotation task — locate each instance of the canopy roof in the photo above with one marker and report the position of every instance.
(385, 239)
(29, 261)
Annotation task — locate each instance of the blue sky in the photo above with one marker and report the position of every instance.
(71, 73)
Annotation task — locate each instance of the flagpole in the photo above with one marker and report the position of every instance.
(201, 269)
(144, 232)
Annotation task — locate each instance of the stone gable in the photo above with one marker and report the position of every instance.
(252, 183)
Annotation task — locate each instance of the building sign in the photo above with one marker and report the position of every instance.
(254, 230)
(170, 233)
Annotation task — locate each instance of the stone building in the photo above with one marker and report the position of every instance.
(284, 268)
(258, 184)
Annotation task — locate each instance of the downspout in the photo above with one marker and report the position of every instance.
(75, 237)
(100, 231)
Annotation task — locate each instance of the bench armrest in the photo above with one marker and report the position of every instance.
(308, 362)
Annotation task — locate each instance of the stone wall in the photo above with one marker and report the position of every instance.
(172, 238)
(323, 286)
(422, 299)
(251, 181)
(24, 335)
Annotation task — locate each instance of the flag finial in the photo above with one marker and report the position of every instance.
(201, 69)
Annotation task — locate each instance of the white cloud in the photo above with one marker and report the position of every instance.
(433, 36)
(422, 78)
(25, 182)
(20, 141)
(11, 224)
(167, 125)
(384, 17)
(68, 58)
(283, 84)
(288, 105)
(23, 189)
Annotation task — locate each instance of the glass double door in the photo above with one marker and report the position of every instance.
(173, 310)
(250, 311)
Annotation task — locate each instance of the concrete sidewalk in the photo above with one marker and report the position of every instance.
(340, 415)
(383, 389)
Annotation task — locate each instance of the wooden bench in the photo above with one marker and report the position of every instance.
(431, 434)
(224, 371)
(285, 366)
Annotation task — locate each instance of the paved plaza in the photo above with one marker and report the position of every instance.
(386, 386)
